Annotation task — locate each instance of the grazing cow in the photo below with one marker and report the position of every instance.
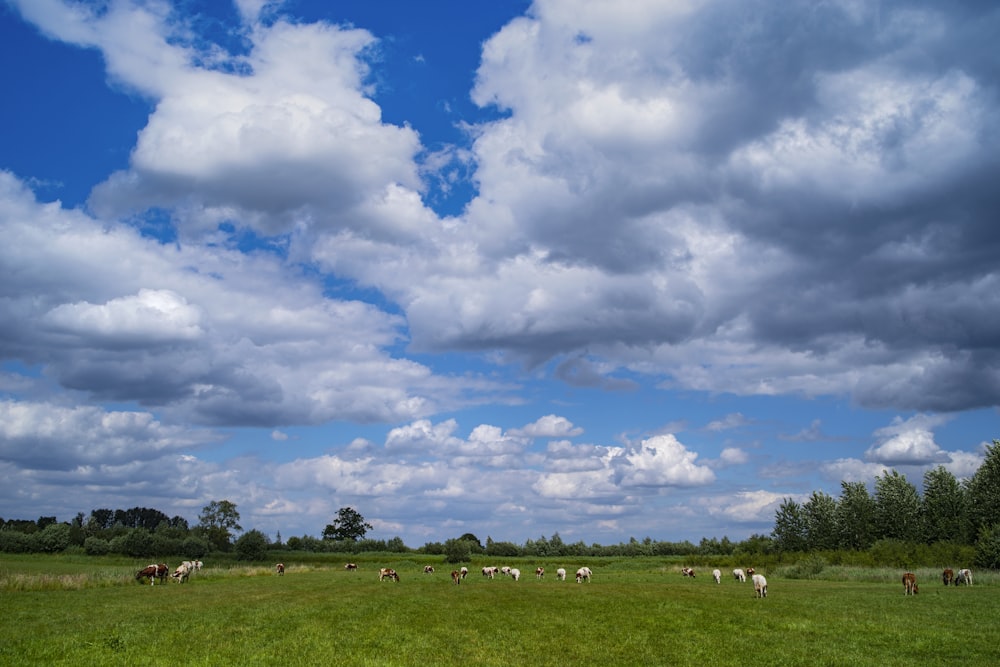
(456, 576)
(464, 572)
(759, 586)
(561, 574)
(148, 571)
(687, 572)
(750, 571)
(740, 575)
(910, 584)
(182, 573)
(515, 574)
(350, 566)
(583, 574)
(198, 564)
(279, 568)
(948, 577)
(717, 575)
(428, 569)
(388, 573)
(964, 577)
(490, 571)
(539, 572)
(505, 571)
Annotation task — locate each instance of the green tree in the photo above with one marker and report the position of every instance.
(789, 527)
(458, 551)
(820, 513)
(984, 492)
(988, 548)
(349, 526)
(217, 522)
(897, 508)
(943, 507)
(252, 545)
(855, 516)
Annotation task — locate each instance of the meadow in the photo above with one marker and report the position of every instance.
(80, 610)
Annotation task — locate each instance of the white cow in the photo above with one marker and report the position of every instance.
(740, 575)
(490, 571)
(561, 574)
(182, 573)
(515, 573)
(964, 577)
(759, 586)
(464, 572)
(505, 570)
(583, 574)
(717, 575)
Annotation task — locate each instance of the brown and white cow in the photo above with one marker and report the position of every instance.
(491, 571)
(279, 569)
(456, 576)
(964, 577)
(687, 572)
(539, 572)
(350, 566)
(948, 577)
(388, 573)
(428, 569)
(148, 571)
(910, 584)
(464, 572)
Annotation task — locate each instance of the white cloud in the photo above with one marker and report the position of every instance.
(908, 442)
(662, 461)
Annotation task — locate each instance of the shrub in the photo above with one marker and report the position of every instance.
(252, 545)
(95, 546)
(807, 568)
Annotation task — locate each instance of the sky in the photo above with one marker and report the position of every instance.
(606, 269)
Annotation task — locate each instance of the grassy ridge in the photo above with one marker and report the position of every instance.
(636, 612)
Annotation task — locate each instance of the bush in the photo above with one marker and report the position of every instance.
(988, 548)
(16, 542)
(195, 547)
(252, 545)
(95, 546)
(807, 568)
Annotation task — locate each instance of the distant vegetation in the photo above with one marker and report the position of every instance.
(952, 522)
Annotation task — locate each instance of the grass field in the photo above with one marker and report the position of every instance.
(80, 611)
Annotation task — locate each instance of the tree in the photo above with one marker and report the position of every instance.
(820, 513)
(252, 545)
(855, 516)
(789, 527)
(897, 508)
(349, 526)
(984, 492)
(943, 507)
(217, 521)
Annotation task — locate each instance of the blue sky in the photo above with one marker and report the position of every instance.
(606, 269)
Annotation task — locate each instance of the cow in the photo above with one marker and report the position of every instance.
(583, 574)
(388, 573)
(456, 576)
(505, 570)
(561, 574)
(182, 573)
(687, 572)
(910, 584)
(197, 565)
(350, 566)
(759, 586)
(740, 575)
(964, 577)
(948, 577)
(151, 571)
(515, 574)
(464, 572)
(717, 575)
(279, 568)
(428, 569)
(490, 571)
(539, 572)
(750, 571)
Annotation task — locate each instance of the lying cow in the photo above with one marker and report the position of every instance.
(910, 584)
(388, 573)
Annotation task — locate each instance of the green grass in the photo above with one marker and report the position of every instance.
(635, 612)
